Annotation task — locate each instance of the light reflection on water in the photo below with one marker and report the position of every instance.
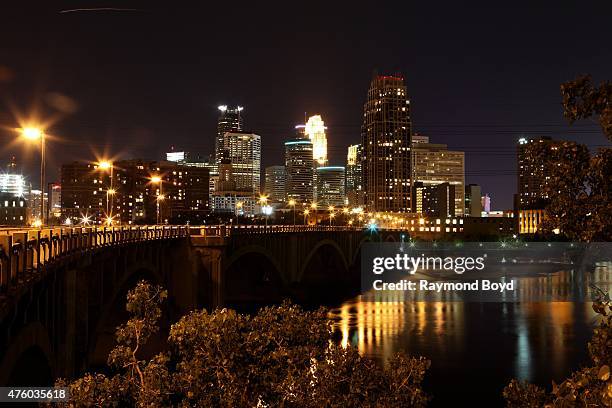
(477, 343)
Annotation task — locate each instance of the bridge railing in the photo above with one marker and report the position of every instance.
(24, 253)
(229, 229)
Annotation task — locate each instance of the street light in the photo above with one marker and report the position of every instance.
(263, 200)
(331, 214)
(33, 134)
(110, 191)
(313, 205)
(160, 196)
(306, 212)
(292, 204)
(238, 209)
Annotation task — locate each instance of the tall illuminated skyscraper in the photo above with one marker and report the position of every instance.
(243, 150)
(386, 138)
(299, 170)
(315, 130)
(354, 182)
(230, 120)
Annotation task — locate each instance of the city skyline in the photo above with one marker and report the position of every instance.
(458, 98)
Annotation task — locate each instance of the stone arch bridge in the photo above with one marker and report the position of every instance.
(62, 290)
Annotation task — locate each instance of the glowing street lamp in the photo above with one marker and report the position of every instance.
(331, 214)
(34, 134)
(160, 196)
(292, 205)
(239, 205)
(107, 165)
(306, 212)
(263, 201)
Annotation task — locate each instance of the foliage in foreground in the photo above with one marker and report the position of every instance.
(281, 357)
(588, 387)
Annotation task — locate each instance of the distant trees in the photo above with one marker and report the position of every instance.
(580, 188)
(281, 357)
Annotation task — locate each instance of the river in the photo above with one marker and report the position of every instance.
(476, 348)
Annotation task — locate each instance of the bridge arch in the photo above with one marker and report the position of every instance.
(28, 360)
(321, 246)
(253, 270)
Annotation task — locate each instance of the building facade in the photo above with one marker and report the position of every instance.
(329, 188)
(436, 200)
(315, 131)
(354, 179)
(275, 183)
(230, 120)
(434, 164)
(299, 170)
(13, 210)
(244, 151)
(473, 201)
(386, 138)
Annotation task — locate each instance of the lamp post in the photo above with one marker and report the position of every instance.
(306, 212)
(292, 205)
(331, 214)
(110, 191)
(313, 206)
(238, 208)
(263, 200)
(34, 134)
(160, 196)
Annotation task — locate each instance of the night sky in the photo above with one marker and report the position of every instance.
(132, 82)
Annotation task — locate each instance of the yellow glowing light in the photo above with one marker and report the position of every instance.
(345, 210)
(105, 165)
(32, 133)
(37, 223)
(239, 204)
(315, 130)
(292, 202)
(313, 206)
(306, 212)
(68, 221)
(263, 199)
(111, 191)
(109, 220)
(330, 208)
(85, 220)
(156, 179)
(161, 197)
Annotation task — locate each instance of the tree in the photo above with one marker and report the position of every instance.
(581, 100)
(281, 357)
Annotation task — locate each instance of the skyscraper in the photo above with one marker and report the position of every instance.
(299, 170)
(354, 183)
(329, 186)
(275, 183)
(243, 149)
(230, 120)
(434, 164)
(386, 132)
(473, 203)
(315, 130)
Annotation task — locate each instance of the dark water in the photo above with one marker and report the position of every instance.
(476, 348)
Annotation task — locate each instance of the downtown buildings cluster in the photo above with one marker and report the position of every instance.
(393, 174)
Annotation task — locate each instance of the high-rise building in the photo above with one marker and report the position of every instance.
(299, 170)
(243, 149)
(485, 202)
(436, 200)
(182, 192)
(14, 184)
(434, 164)
(473, 204)
(300, 132)
(315, 130)
(230, 120)
(386, 132)
(13, 210)
(275, 183)
(55, 200)
(354, 182)
(329, 189)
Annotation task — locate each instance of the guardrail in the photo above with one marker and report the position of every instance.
(25, 252)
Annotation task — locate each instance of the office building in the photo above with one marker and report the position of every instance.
(329, 188)
(434, 164)
(55, 200)
(299, 170)
(485, 202)
(243, 149)
(13, 210)
(437, 200)
(230, 120)
(473, 203)
(386, 132)
(14, 184)
(354, 182)
(315, 131)
(417, 138)
(275, 183)
(88, 193)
